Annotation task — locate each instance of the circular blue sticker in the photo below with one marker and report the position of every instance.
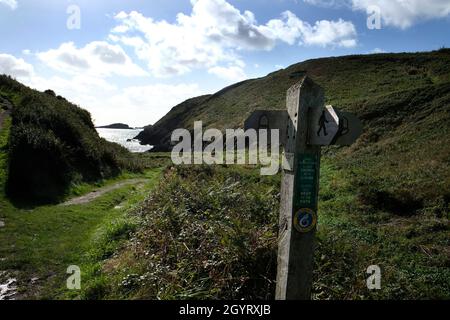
(305, 220)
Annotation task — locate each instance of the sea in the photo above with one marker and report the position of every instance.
(124, 137)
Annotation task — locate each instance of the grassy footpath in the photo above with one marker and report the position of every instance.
(43, 242)
(40, 243)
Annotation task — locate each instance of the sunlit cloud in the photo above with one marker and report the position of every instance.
(12, 4)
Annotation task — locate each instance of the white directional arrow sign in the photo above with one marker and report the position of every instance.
(329, 126)
(323, 126)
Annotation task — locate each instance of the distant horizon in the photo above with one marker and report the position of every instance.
(117, 123)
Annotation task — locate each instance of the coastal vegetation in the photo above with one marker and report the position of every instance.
(210, 232)
(53, 145)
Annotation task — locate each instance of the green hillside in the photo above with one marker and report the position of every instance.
(383, 201)
(401, 161)
(355, 83)
(53, 144)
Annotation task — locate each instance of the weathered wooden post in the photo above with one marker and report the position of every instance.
(299, 191)
(305, 127)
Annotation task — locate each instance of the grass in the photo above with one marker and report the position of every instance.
(150, 161)
(53, 144)
(43, 241)
(412, 252)
(207, 233)
(211, 233)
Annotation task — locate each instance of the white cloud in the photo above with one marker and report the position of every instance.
(231, 73)
(323, 33)
(397, 13)
(15, 67)
(193, 42)
(109, 103)
(12, 4)
(147, 103)
(377, 50)
(76, 88)
(214, 33)
(405, 13)
(328, 3)
(337, 33)
(97, 58)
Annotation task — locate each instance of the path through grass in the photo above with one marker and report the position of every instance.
(38, 244)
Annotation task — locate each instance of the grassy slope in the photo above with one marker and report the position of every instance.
(53, 144)
(352, 83)
(160, 134)
(384, 201)
(403, 100)
(42, 242)
(211, 232)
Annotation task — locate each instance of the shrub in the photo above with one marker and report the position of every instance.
(53, 144)
(208, 233)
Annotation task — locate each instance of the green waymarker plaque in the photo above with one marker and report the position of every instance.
(306, 193)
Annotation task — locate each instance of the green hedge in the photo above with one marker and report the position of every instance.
(53, 144)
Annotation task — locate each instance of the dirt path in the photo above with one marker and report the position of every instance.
(98, 193)
(3, 115)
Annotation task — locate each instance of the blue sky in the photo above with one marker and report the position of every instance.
(131, 61)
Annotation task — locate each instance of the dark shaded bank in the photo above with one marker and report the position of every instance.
(53, 144)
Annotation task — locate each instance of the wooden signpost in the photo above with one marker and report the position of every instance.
(306, 126)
